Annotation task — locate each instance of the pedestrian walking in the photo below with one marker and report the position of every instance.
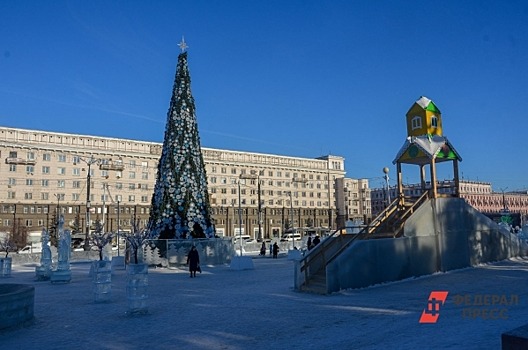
(275, 250)
(263, 249)
(193, 260)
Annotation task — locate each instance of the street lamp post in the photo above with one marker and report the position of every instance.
(386, 177)
(118, 228)
(89, 163)
(259, 210)
(239, 219)
(291, 219)
(244, 176)
(57, 195)
(294, 180)
(104, 205)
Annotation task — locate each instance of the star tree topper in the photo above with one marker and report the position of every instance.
(183, 45)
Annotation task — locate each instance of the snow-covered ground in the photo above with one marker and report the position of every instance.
(258, 309)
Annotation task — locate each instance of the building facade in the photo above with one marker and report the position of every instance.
(89, 178)
(353, 201)
(478, 194)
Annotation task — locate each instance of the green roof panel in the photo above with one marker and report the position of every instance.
(432, 107)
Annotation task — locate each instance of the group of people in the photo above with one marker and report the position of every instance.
(193, 258)
(274, 249)
(310, 244)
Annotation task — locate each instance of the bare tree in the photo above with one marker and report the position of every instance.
(7, 245)
(100, 238)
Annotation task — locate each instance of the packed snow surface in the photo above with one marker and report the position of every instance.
(259, 309)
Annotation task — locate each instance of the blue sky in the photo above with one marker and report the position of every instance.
(297, 78)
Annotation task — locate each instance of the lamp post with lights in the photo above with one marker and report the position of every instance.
(89, 163)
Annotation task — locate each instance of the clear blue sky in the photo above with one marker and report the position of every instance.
(298, 78)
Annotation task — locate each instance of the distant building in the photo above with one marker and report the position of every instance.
(353, 200)
(44, 173)
(478, 194)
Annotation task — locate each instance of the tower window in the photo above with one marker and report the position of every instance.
(434, 121)
(416, 123)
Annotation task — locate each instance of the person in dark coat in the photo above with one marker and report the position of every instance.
(275, 250)
(316, 241)
(193, 260)
(309, 243)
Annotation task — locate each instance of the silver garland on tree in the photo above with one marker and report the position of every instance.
(180, 204)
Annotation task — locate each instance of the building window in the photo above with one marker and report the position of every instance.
(29, 182)
(416, 123)
(11, 181)
(12, 167)
(132, 186)
(12, 154)
(28, 195)
(76, 196)
(131, 198)
(46, 157)
(44, 183)
(61, 183)
(434, 121)
(61, 171)
(144, 176)
(30, 169)
(132, 175)
(144, 199)
(61, 158)
(31, 156)
(11, 195)
(76, 184)
(45, 170)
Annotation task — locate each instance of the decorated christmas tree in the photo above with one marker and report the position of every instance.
(180, 203)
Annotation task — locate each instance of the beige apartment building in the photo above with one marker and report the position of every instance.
(88, 178)
(353, 201)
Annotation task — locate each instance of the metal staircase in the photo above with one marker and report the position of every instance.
(388, 224)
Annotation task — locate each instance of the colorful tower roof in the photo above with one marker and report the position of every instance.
(424, 118)
(424, 136)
